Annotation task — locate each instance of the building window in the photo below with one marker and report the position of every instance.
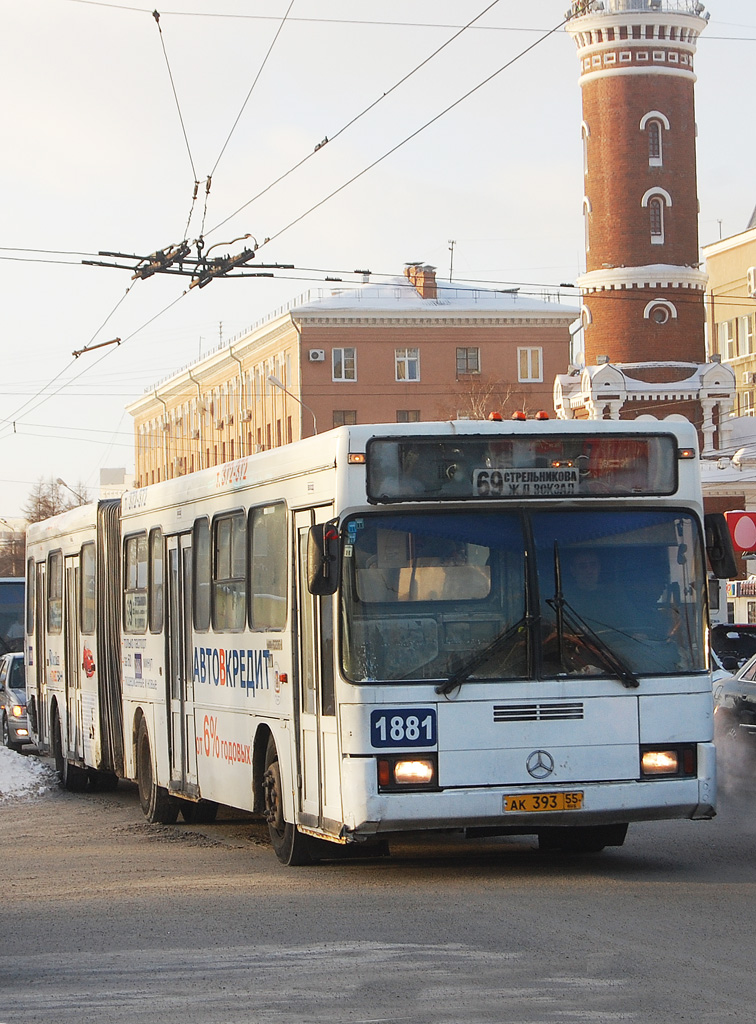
(660, 311)
(656, 220)
(745, 335)
(344, 363)
(726, 332)
(407, 415)
(746, 403)
(653, 131)
(530, 364)
(407, 363)
(468, 360)
(344, 417)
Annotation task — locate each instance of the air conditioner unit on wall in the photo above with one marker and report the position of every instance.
(751, 280)
(316, 355)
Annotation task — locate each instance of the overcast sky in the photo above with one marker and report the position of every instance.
(99, 154)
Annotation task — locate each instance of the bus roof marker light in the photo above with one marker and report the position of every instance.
(519, 415)
(541, 415)
(494, 416)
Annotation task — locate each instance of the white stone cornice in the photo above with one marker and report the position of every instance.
(653, 276)
(652, 69)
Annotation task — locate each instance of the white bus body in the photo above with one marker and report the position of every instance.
(428, 659)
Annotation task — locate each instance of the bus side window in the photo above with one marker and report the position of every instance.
(135, 584)
(31, 594)
(87, 611)
(55, 591)
(229, 573)
(267, 562)
(156, 580)
(201, 602)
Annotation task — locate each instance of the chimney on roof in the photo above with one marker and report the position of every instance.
(423, 277)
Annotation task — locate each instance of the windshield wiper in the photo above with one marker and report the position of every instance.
(494, 646)
(566, 614)
(485, 654)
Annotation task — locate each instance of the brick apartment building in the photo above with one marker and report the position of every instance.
(408, 350)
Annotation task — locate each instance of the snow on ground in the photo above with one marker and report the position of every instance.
(23, 777)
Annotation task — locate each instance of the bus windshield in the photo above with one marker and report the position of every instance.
(521, 595)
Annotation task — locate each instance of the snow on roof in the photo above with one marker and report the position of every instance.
(398, 295)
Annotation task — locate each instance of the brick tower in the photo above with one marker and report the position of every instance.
(643, 290)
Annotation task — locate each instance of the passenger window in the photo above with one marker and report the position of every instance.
(87, 562)
(135, 584)
(229, 575)
(156, 580)
(55, 591)
(267, 575)
(31, 594)
(201, 548)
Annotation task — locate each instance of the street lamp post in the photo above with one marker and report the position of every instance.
(277, 383)
(62, 483)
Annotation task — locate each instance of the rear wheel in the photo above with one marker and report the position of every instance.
(292, 847)
(202, 812)
(157, 803)
(582, 839)
(71, 776)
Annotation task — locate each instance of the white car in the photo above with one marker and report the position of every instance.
(13, 724)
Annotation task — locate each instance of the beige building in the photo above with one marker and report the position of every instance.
(411, 349)
(731, 310)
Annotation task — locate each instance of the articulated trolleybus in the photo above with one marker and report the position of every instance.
(482, 627)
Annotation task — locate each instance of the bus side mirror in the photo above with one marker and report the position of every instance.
(719, 547)
(323, 559)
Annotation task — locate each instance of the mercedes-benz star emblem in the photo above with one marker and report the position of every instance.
(540, 764)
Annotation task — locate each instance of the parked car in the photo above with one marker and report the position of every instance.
(735, 703)
(733, 643)
(13, 724)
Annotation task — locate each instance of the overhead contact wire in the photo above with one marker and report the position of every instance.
(357, 117)
(418, 131)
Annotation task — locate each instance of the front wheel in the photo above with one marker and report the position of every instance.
(71, 776)
(581, 839)
(291, 846)
(157, 803)
(8, 742)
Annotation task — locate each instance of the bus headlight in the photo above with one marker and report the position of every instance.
(406, 772)
(678, 760)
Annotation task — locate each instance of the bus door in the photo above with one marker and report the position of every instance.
(72, 667)
(320, 790)
(40, 651)
(181, 728)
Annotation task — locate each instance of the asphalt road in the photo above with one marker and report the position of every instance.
(106, 918)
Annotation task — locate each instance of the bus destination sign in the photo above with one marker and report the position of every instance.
(514, 483)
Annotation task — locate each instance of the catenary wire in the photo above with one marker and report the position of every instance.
(331, 138)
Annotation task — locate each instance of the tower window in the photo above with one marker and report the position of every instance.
(653, 130)
(656, 220)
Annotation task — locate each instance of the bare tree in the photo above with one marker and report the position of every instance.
(480, 396)
(48, 498)
(12, 553)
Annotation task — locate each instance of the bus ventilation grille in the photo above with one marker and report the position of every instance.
(566, 711)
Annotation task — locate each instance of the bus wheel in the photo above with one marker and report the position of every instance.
(582, 839)
(290, 846)
(158, 805)
(202, 812)
(71, 777)
(103, 781)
